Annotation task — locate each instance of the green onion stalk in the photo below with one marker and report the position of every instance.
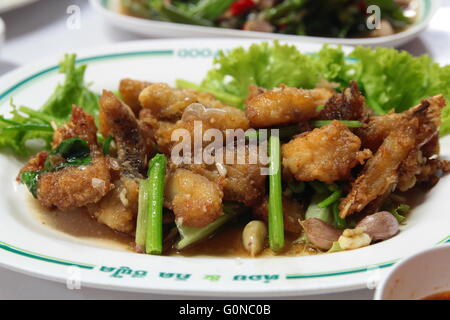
(276, 224)
(149, 229)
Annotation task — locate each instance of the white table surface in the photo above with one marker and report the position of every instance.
(39, 30)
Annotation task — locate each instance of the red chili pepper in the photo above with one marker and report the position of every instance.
(240, 6)
(362, 6)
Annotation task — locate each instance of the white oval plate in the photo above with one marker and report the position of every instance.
(109, 10)
(30, 247)
(8, 5)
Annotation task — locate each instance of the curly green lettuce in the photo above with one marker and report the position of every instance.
(27, 124)
(389, 79)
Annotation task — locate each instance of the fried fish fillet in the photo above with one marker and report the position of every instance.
(130, 90)
(118, 209)
(284, 105)
(195, 200)
(73, 187)
(118, 120)
(169, 104)
(348, 105)
(81, 125)
(242, 183)
(421, 161)
(326, 154)
(380, 174)
(193, 115)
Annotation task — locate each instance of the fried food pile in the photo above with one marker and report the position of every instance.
(372, 163)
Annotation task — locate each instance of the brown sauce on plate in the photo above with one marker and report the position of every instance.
(439, 296)
(79, 224)
(227, 242)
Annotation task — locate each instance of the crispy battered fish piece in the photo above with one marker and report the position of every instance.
(34, 164)
(169, 104)
(118, 208)
(423, 163)
(118, 120)
(166, 103)
(284, 105)
(292, 212)
(81, 125)
(210, 118)
(195, 200)
(380, 174)
(349, 105)
(242, 183)
(75, 187)
(420, 161)
(326, 154)
(428, 112)
(130, 90)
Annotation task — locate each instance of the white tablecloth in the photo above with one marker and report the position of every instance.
(39, 30)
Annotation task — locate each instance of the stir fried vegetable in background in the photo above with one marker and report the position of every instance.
(325, 18)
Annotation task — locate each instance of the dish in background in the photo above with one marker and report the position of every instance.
(8, 5)
(111, 12)
(325, 18)
(2, 32)
(418, 277)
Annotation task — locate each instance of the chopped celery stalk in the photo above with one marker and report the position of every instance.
(347, 123)
(331, 199)
(314, 211)
(141, 226)
(339, 223)
(156, 179)
(190, 235)
(336, 247)
(276, 223)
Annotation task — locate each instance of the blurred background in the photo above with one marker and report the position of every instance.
(47, 27)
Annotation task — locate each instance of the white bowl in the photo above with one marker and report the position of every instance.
(419, 276)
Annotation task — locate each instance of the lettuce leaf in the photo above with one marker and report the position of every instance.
(396, 80)
(261, 65)
(389, 79)
(72, 91)
(27, 124)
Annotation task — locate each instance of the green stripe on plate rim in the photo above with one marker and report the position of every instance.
(44, 258)
(342, 272)
(39, 74)
(37, 256)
